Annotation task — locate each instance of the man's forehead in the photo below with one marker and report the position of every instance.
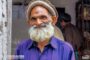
(39, 10)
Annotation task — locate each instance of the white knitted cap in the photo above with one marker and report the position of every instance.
(45, 3)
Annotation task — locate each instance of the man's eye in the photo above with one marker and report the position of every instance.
(43, 17)
(33, 19)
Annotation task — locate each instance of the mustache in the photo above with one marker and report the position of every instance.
(44, 24)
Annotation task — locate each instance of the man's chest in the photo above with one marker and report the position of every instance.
(45, 55)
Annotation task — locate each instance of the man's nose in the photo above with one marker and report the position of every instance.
(38, 22)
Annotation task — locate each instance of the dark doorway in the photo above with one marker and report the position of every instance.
(60, 11)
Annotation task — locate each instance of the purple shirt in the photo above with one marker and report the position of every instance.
(55, 50)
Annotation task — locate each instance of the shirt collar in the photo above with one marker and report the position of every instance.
(32, 44)
(52, 43)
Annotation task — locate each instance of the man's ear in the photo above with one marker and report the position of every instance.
(28, 22)
(54, 20)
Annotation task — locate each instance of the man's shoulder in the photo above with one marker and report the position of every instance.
(24, 43)
(63, 44)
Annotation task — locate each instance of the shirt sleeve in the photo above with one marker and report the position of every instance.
(18, 55)
(73, 56)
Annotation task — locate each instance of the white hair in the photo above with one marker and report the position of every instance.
(41, 34)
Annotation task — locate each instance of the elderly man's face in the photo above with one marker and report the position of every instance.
(40, 24)
(38, 16)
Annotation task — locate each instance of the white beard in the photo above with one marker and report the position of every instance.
(40, 34)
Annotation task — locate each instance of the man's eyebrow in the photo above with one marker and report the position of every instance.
(38, 16)
(43, 16)
(32, 17)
